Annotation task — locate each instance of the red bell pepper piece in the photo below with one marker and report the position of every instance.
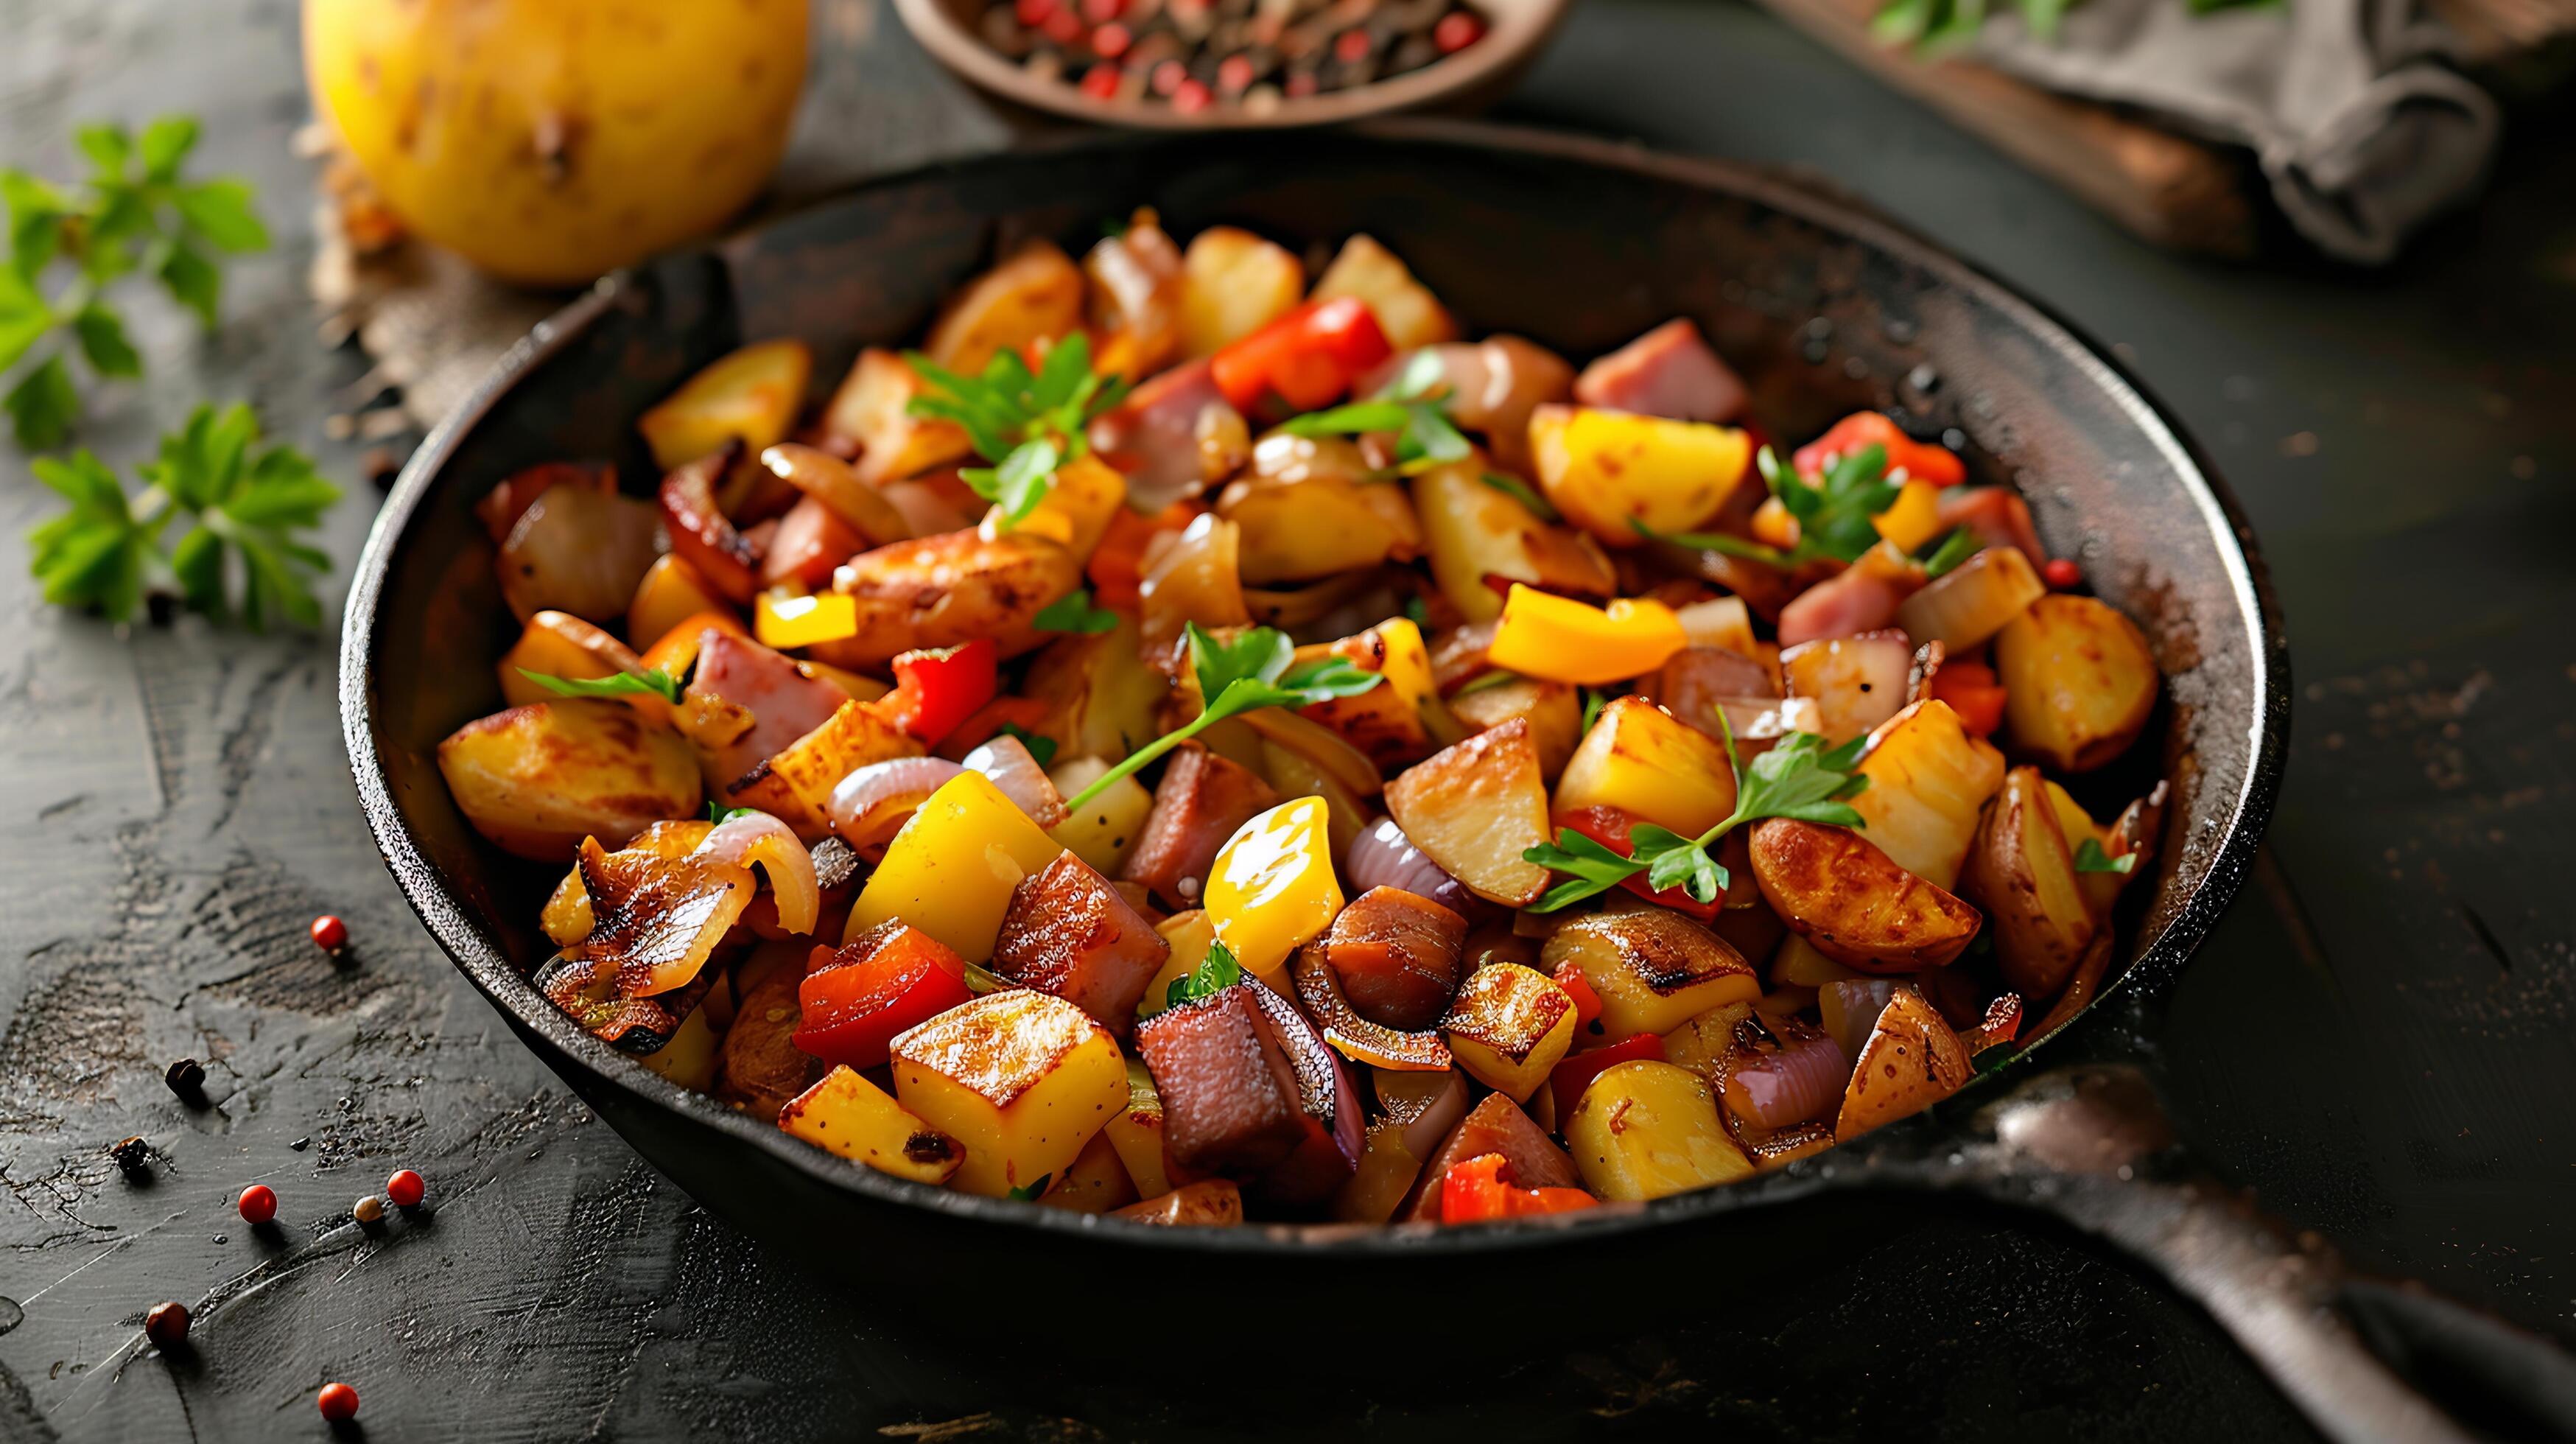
(1575, 1073)
(1308, 358)
(1972, 691)
(1587, 1003)
(1117, 566)
(1921, 460)
(1473, 1191)
(936, 690)
(1609, 827)
(882, 982)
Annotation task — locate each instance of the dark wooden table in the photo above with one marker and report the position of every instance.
(2377, 1038)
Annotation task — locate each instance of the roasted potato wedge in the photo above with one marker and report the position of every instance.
(1553, 710)
(1475, 807)
(1652, 968)
(1399, 721)
(752, 394)
(871, 414)
(2022, 872)
(1913, 1059)
(1297, 531)
(1646, 1130)
(1857, 907)
(1036, 295)
(1928, 784)
(848, 1115)
(1405, 308)
(1473, 532)
(2079, 682)
(538, 779)
(1233, 283)
(1646, 762)
(942, 591)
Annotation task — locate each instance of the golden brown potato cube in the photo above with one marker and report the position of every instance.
(1021, 1078)
(1480, 539)
(1652, 968)
(1475, 807)
(1508, 1026)
(1405, 309)
(1036, 295)
(848, 1115)
(1069, 933)
(1554, 711)
(1649, 1130)
(2022, 871)
(538, 779)
(1912, 1060)
(2079, 682)
(947, 590)
(1928, 784)
(559, 644)
(752, 394)
(872, 413)
(1646, 762)
(1852, 903)
(1233, 283)
(855, 735)
(1399, 721)
(1198, 805)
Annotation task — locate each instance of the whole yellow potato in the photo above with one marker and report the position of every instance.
(550, 140)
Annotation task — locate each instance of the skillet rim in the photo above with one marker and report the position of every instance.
(566, 1046)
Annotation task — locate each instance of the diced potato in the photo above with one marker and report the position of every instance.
(1608, 469)
(753, 393)
(1648, 763)
(1857, 681)
(1021, 1079)
(559, 644)
(1272, 889)
(950, 871)
(1475, 807)
(1296, 531)
(1724, 623)
(1036, 295)
(1912, 1060)
(1554, 711)
(1106, 829)
(1095, 1182)
(856, 735)
(872, 411)
(1405, 309)
(1386, 1174)
(1649, 1130)
(2022, 871)
(1799, 964)
(1508, 1026)
(947, 590)
(848, 1115)
(1102, 695)
(2079, 682)
(1401, 719)
(1191, 934)
(1961, 609)
(1076, 510)
(538, 779)
(1233, 283)
(1541, 634)
(671, 593)
(1928, 782)
(1703, 1040)
(1855, 905)
(1210, 1203)
(1137, 1134)
(689, 1059)
(1652, 968)
(1472, 531)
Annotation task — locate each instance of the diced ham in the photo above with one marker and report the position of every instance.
(784, 703)
(1863, 598)
(1670, 371)
(1230, 1098)
(1069, 933)
(1203, 798)
(1996, 515)
(1697, 679)
(1397, 955)
(1497, 1125)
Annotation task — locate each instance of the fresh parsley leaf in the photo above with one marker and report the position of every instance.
(1073, 612)
(43, 405)
(653, 682)
(1040, 748)
(1955, 548)
(1417, 611)
(1800, 778)
(1413, 406)
(1214, 974)
(717, 812)
(1522, 492)
(1833, 512)
(1029, 1192)
(98, 553)
(1593, 867)
(1994, 1059)
(1027, 423)
(1020, 482)
(2089, 857)
(1593, 702)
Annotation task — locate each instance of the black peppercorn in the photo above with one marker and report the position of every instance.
(186, 1077)
(130, 1154)
(167, 1325)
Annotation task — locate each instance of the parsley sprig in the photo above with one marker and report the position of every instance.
(1214, 974)
(239, 555)
(1800, 778)
(1029, 1192)
(1027, 423)
(135, 214)
(1249, 672)
(2089, 857)
(651, 682)
(1955, 548)
(1833, 512)
(1414, 406)
(1073, 612)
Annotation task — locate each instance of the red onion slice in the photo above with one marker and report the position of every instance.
(758, 838)
(1851, 1010)
(1015, 770)
(1425, 1105)
(1793, 1085)
(1382, 856)
(871, 804)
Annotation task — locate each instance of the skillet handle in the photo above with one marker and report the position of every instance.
(2362, 1358)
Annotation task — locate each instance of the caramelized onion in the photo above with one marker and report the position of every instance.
(1382, 856)
(1804, 1078)
(756, 838)
(1009, 763)
(1356, 1038)
(1425, 1105)
(577, 550)
(1320, 745)
(1851, 1010)
(656, 921)
(872, 803)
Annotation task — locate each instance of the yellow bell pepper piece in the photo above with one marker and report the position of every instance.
(1076, 510)
(1272, 889)
(1913, 518)
(951, 869)
(1557, 639)
(787, 623)
(1773, 525)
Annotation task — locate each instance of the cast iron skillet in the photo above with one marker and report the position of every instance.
(1579, 245)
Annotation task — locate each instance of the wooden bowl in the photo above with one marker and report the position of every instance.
(1460, 83)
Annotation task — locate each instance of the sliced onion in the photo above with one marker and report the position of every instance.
(835, 483)
(1196, 576)
(873, 802)
(1851, 1009)
(1791, 1086)
(1382, 856)
(1972, 601)
(1356, 1038)
(1320, 745)
(1009, 763)
(1425, 1105)
(758, 839)
(579, 551)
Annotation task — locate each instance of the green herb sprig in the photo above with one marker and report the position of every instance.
(239, 555)
(1414, 406)
(1028, 1193)
(1955, 548)
(1833, 512)
(1028, 424)
(1214, 974)
(1073, 612)
(2089, 857)
(651, 682)
(135, 214)
(1799, 778)
(1250, 672)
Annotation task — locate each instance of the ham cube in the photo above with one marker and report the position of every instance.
(1068, 932)
(783, 701)
(1230, 1099)
(1667, 372)
(1202, 800)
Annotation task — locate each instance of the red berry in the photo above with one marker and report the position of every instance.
(1101, 12)
(406, 1189)
(2062, 574)
(1168, 77)
(167, 1326)
(1301, 84)
(1063, 27)
(1191, 97)
(1456, 31)
(1352, 46)
(1234, 73)
(1109, 42)
(1034, 12)
(1100, 82)
(330, 934)
(338, 1402)
(258, 1203)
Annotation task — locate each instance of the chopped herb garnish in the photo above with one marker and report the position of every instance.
(1215, 973)
(1955, 548)
(1250, 672)
(1029, 1192)
(1833, 514)
(1798, 778)
(1413, 406)
(1417, 611)
(1486, 683)
(717, 812)
(1593, 702)
(652, 682)
(1522, 492)
(2089, 857)
(1026, 423)
(1073, 612)
(1040, 748)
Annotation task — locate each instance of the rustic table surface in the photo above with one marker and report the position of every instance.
(2376, 1038)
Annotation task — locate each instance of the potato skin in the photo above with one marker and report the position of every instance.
(2080, 682)
(941, 591)
(538, 779)
(2022, 871)
(1912, 1060)
(1858, 907)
